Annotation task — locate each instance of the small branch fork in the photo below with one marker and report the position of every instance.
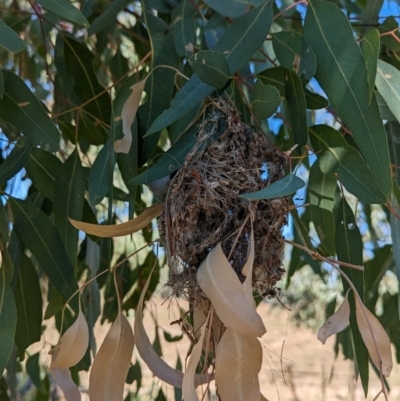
(333, 262)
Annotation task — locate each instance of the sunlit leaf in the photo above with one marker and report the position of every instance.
(375, 338)
(220, 283)
(119, 230)
(335, 323)
(156, 364)
(188, 387)
(63, 379)
(128, 115)
(72, 345)
(111, 364)
(238, 356)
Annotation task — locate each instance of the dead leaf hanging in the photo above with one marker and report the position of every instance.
(128, 115)
(188, 387)
(119, 230)
(337, 322)
(237, 364)
(156, 364)
(221, 285)
(72, 345)
(381, 338)
(111, 364)
(64, 381)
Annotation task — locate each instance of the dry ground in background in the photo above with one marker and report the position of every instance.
(308, 371)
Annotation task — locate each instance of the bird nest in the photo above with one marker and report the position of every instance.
(203, 207)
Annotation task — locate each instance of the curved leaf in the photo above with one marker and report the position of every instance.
(370, 47)
(220, 283)
(8, 323)
(342, 73)
(21, 108)
(335, 323)
(119, 230)
(72, 345)
(372, 331)
(9, 39)
(111, 364)
(241, 356)
(63, 379)
(266, 99)
(287, 185)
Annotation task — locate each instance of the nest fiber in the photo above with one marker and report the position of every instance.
(203, 207)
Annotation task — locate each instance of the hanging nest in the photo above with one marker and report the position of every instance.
(203, 208)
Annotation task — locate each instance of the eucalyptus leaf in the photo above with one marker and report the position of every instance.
(286, 186)
(266, 100)
(370, 47)
(65, 10)
(9, 39)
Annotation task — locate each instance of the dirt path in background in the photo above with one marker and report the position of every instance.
(296, 366)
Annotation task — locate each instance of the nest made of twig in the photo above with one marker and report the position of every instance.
(203, 208)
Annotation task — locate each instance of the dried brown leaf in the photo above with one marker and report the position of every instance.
(111, 364)
(63, 379)
(119, 230)
(156, 364)
(382, 339)
(237, 364)
(188, 388)
(128, 115)
(199, 319)
(337, 322)
(248, 269)
(72, 345)
(221, 285)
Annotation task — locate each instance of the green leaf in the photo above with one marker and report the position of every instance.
(42, 168)
(287, 185)
(349, 249)
(78, 61)
(184, 27)
(33, 370)
(65, 10)
(69, 197)
(294, 53)
(266, 99)
(315, 101)
(240, 41)
(108, 17)
(21, 108)
(99, 176)
(8, 323)
(191, 94)
(170, 161)
(388, 85)
(296, 108)
(211, 67)
(228, 8)
(28, 300)
(42, 239)
(171, 339)
(159, 85)
(9, 39)
(15, 160)
(370, 47)
(4, 224)
(342, 74)
(353, 172)
(321, 189)
(370, 14)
